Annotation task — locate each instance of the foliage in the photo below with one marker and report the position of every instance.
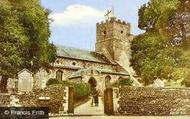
(81, 90)
(24, 33)
(52, 82)
(123, 82)
(154, 53)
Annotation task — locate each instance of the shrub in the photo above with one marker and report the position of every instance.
(52, 81)
(81, 90)
(66, 83)
(123, 82)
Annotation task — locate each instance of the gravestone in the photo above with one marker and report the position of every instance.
(158, 83)
(25, 81)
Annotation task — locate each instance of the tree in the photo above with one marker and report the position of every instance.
(153, 54)
(24, 33)
(179, 23)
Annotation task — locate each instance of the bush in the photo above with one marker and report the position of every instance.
(81, 90)
(123, 82)
(66, 83)
(52, 81)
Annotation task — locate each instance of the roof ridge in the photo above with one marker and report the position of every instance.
(69, 47)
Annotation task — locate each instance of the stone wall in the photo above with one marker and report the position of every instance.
(4, 99)
(153, 101)
(52, 97)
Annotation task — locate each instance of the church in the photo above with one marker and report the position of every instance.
(108, 63)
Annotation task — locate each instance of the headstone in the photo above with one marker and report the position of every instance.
(40, 79)
(158, 83)
(25, 81)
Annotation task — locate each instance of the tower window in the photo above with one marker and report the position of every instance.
(59, 75)
(104, 32)
(121, 31)
(107, 81)
(74, 63)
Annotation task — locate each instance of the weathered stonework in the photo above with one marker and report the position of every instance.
(54, 98)
(153, 101)
(113, 40)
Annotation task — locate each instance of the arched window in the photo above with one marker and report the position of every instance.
(107, 81)
(59, 75)
(120, 78)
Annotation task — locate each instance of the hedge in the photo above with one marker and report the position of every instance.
(52, 82)
(123, 82)
(81, 90)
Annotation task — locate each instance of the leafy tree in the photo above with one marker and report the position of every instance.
(24, 33)
(154, 54)
(179, 23)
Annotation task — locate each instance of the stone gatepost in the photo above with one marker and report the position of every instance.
(108, 101)
(71, 100)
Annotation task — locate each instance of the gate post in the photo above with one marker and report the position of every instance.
(108, 101)
(71, 100)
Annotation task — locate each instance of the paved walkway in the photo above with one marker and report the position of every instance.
(87, 109)
(124, 117)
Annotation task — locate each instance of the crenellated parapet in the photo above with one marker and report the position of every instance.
(113, 20)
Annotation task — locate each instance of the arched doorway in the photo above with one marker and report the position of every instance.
(93, 83)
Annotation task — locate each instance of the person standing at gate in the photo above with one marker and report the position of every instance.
(96, 101)
(92, 96)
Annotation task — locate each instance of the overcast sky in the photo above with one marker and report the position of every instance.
(75, 20)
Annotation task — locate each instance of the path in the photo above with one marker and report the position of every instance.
(123, 117)
(87, 109)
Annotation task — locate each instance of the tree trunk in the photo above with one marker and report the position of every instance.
(3, 84)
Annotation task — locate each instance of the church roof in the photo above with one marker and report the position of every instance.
(74, 53)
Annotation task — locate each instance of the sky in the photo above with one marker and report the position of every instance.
(74, 21)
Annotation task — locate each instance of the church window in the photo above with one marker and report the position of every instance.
(107, 81)
(74, 63)
(120, 78)
(121, 31)
(104, 32)
(59, 75)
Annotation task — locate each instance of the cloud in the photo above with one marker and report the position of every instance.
(77, 15)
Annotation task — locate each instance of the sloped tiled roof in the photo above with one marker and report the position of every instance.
(75, 53)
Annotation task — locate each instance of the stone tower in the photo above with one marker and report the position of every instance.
(113, 39)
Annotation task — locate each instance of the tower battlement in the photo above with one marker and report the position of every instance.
(114, 19)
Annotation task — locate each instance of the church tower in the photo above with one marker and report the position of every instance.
(113, 39)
